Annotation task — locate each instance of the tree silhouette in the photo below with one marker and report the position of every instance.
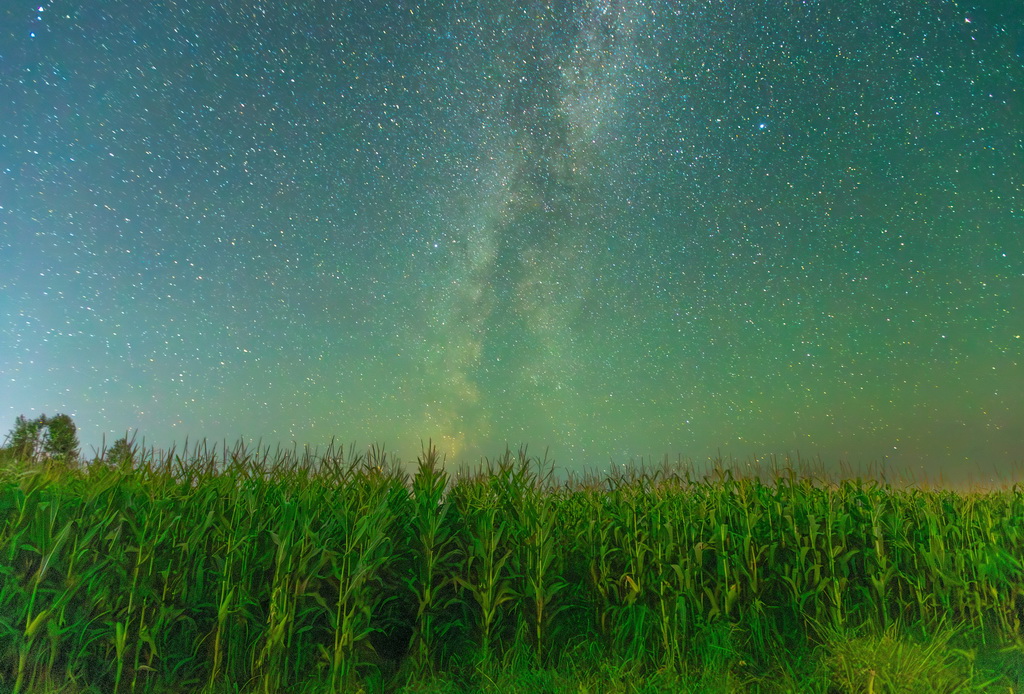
(55, 436)
(121, 453)
(25, 438)
(61, 438)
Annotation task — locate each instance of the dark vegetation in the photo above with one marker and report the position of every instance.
(235, 571)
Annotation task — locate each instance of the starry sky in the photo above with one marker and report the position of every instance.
(608, 229)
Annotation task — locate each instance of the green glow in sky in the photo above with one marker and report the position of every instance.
(611, 229)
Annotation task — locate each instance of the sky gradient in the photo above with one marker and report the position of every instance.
(610, 229)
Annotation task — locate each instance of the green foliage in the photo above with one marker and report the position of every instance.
(333, 574)
(891, 662)
(61, 438)
(121, 452)
(25, 439)
(55, 437)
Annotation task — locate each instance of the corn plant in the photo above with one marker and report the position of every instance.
(433, 574)
(485, 577)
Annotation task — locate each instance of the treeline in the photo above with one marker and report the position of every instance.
(41, 438)
(54, 439)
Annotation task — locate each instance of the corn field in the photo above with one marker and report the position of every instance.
(235, 571)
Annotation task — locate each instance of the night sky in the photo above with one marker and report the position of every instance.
(611, 229)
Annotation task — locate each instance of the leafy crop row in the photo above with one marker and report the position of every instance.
(272, 575)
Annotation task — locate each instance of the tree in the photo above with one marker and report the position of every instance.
(121, 453)
(31, 438)
(61, 438)
(24, 438)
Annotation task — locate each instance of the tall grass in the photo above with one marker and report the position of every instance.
(232, 570)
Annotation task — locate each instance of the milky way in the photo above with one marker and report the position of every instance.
(532, 230)
(611, 229)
